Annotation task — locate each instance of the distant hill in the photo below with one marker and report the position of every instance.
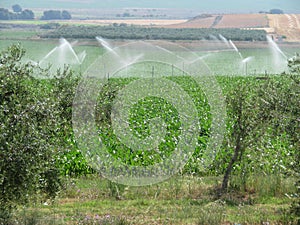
(204, 6)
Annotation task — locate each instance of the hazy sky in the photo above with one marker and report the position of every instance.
(203, 5)
(234, 5)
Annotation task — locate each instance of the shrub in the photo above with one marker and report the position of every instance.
(276, 11)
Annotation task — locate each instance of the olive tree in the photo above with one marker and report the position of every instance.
(294, 66)
(29, 119)
(259, 113)
(243, 122)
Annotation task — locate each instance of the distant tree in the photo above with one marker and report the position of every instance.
(27, 15)
(65, 15)
(17, 8)
(56, 15)
(24, 15)
(52, 15)
(276, 11)
(4, 14)
(126, 14)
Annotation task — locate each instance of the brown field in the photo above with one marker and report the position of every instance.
(278, 25)
(287, 25)
(227, 21)
(195, 23)
(142, 22)
(243, 21)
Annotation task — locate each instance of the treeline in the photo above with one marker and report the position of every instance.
(137, 32)
(26, 14)
(19, 14)
(56, 15)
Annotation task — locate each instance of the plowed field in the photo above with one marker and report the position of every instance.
(226, 21)
(243, 21)
(287, 25)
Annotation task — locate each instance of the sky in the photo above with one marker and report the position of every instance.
(238, 6)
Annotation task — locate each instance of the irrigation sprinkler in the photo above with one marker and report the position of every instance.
(172, 70)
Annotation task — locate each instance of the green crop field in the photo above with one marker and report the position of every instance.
(223, 62)
(222, 58)
(7, 34)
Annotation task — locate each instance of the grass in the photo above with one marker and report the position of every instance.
(17, 34)
(180, 200)
(26, 22)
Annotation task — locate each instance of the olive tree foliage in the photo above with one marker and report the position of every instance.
(243, 122)
(30, 133)
(263, 127)
(294, 65)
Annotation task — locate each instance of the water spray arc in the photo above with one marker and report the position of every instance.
(61, 55)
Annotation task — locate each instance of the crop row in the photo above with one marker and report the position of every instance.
(137, 32)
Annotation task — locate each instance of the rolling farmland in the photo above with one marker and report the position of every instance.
(197, 22)
(286, 25)
(226, 21)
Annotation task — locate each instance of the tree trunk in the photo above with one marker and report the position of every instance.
(238, 133)
(234, 158)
